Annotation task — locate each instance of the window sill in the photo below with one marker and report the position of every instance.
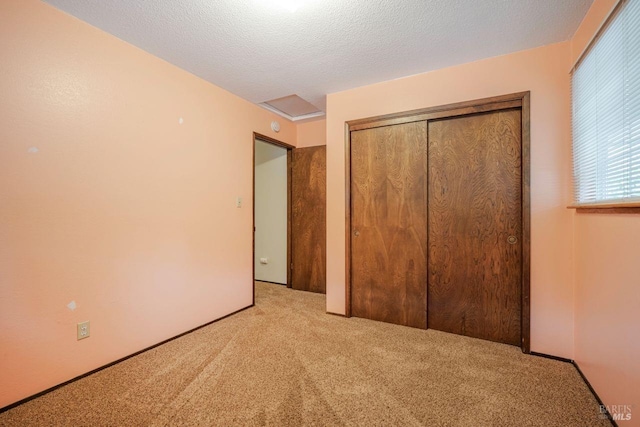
(608, 208)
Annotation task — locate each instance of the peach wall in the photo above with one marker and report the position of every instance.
(121, 209)
(607, 306)
(542, 71)
(592, 21)
(312, 134)
(607, 286)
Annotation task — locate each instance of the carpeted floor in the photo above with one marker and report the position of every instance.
(285, 362)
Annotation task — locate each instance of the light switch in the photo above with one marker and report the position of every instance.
(239, 202)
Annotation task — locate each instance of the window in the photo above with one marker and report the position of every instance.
(606, 113)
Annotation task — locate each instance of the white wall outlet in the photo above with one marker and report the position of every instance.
(239, 202)
(264, 260)
(83, 330)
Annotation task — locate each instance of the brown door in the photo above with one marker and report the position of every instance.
(475, 217)
(308, 219)
(389, 224)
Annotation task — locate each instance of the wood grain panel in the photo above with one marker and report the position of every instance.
(526, 223)
(500, 102)
(308, 219)
(388, 224)
(475, 205)
(436, 113)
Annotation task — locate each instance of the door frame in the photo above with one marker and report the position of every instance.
(258, 136)
(519, 100)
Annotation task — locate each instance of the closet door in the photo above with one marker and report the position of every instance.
(389, 224)
(308, 219)
(475, 226)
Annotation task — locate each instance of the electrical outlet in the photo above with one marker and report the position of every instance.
(83, 330)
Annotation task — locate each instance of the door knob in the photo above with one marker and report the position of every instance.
(356, 233)
(512, 240)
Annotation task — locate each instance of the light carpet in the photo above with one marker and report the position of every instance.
(285, 362)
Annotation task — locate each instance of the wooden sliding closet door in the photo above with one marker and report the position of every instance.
(475, 225)
(389, 224)
(308, 219)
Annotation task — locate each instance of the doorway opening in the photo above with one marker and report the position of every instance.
(271, 211)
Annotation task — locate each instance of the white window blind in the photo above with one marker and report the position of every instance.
(606, 113)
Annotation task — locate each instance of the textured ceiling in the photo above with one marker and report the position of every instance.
(261, 50)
